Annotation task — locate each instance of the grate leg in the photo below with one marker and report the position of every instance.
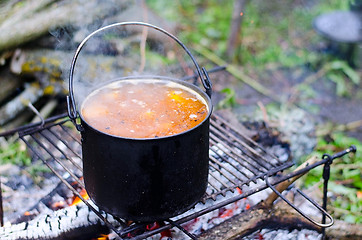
(326, 175)
(1, 207)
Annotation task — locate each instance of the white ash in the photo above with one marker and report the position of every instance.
(17, 201)
(209, 220)
(270, 234)
(279, 151)
(297, 127)
(51, 226)
(284, 234)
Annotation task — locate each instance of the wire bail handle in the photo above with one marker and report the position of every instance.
(72, 108)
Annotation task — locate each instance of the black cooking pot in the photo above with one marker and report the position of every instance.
(145, 179)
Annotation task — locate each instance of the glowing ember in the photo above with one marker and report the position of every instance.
(101, 237)
(77, 200)
(59, 205)
(27, 213)
(155, 225)
(227, 213)
(207, 221)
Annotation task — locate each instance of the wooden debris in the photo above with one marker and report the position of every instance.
(46, 110)
(22, 25)
(265, 214)
(49, 67)
(267, 203)
(31, 94)
(344, 231)
(235, 27)
(46, 68)
(254, 219)
(22, 118)
(42, 64)
(280, 216)
(5, 56)
(9, 84)
(68, 223)
(31, 19)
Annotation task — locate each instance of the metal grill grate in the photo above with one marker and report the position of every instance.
(235, 160)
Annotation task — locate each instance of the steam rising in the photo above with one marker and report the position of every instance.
(120, 51)
(117, 53)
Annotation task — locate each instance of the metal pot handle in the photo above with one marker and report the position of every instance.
(72, 109)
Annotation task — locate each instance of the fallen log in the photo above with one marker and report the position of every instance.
(32, 19)
(20, 27)
(43, 65)
(25, 116)
(344, 231)
(17, 12)
(11, 109)
(9, 84)
(30, 62)
(55, 65)
(39, 65)
(268, 202)
(49, 68)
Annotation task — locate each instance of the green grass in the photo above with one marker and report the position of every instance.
(272, 31)
(345, 179)
(14, 153)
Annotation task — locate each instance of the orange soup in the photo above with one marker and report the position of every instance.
(144, 108)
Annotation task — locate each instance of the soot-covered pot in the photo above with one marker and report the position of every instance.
(145, 179)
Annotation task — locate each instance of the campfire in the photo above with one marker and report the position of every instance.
(238, 169)
(249, 167)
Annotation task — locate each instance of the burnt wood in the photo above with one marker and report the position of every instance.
(75, 222)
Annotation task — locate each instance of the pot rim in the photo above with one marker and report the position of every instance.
(193, 87)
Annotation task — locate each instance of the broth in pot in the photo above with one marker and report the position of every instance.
(144, 108)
